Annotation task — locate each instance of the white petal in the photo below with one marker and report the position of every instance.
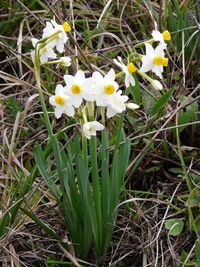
(127, 80)
(34, 41)
(149, 50)
(159, 51)
(48, 30)
(132, 80)
(110, 112)
(58, 111)
(118, 63)
(158, 70)
(52, 100)
(69, 110)
(101, 100)
(88, 95)
(157, 36)
(60, 45)
(43, 58)
(97, 77)
(110, 76)
(69, 79)
(86, 130)
(147, 64)
(54, 23)
(97, 126)
(59, 89)
(80, 76)
(77, 100)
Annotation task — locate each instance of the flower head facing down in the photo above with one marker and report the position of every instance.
(117, 104)
(90, 128)
(154, 60)
(46, 52)
(161, 37)
(59, 39)
(77, 87)
(104, 87)
(128, 70)
(61, 102)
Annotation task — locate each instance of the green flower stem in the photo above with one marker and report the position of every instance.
(51, 62)
(103, 115)
(41, 96)
(84, 139)
(96, 189)
(42, 101)
(48, 38)
(119, 74)
(90, 109)
(145, 76)
(142, 44)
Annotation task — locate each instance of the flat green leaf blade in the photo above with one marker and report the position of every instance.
(160, 104)
(42, 167)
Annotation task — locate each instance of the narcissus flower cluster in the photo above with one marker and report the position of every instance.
(81, 93)
(88, 97)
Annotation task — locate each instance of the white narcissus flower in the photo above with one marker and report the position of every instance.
(117, 104)
(46, 51)
(105, 87)
(128, 70)
(78, 88)
(60, 39)
(161, 37)
(61, 102)
(156, 85)
(154, 60)
(90, 128)
(65, 61)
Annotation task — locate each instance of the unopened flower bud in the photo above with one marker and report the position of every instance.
(132, 106)
(156, 85)
(65, 61)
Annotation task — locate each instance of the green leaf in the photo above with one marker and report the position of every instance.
(48, 229)
(136, 92)
(160, 104)
(148, 101)
(189, 114)
(197, 252)
(175, 226)
(43, 167)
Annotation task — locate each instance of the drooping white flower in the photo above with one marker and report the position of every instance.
(65, 61)
(78, 88)
(117, 104)
(128, 70)
(156, 85)
(90, 128)
(161, 37)
(154, 60)
(58, 40)
(105, 87)
(61, 102)
(45, 51)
